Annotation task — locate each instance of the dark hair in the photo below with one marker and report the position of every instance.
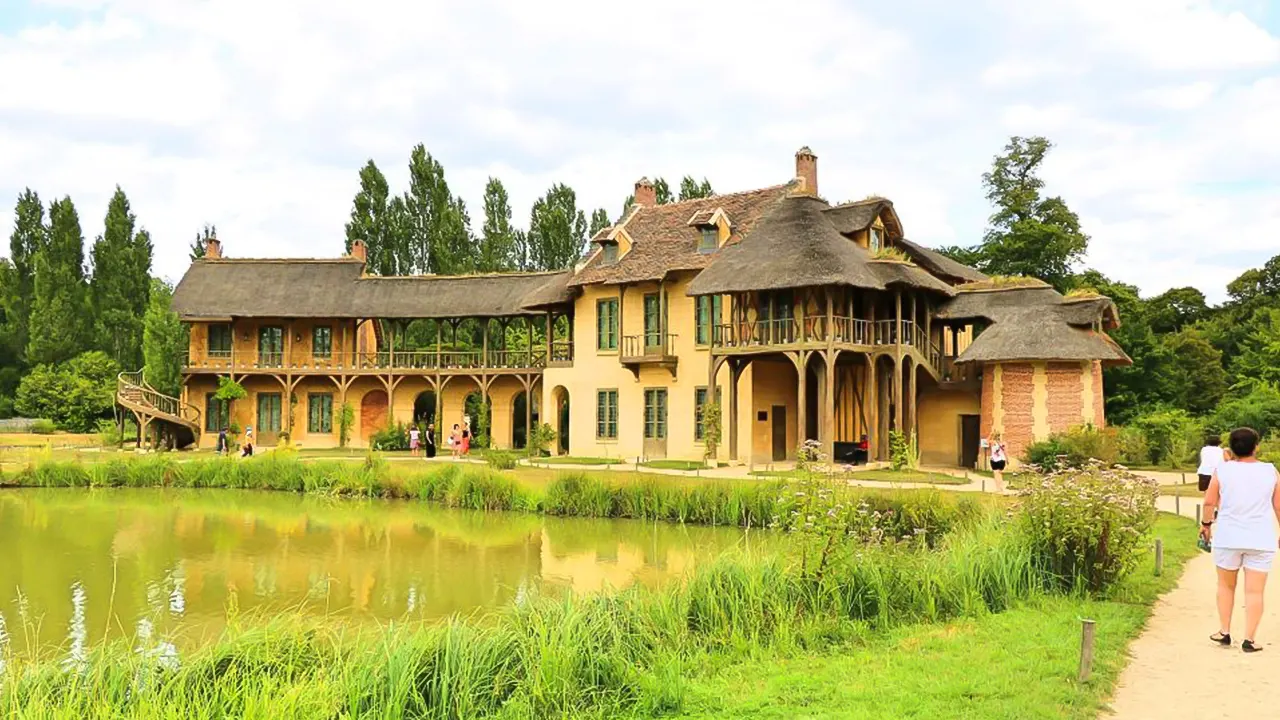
(1243, 442)
(1213, 440)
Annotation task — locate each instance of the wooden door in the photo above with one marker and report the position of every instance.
(970, 439)
(267, 430)
(779, 432)
(655, 423)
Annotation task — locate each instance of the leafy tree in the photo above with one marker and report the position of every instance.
(74, 395)
(164, 340)
(599, 221)
(662, 191)
(10, 345)
(1193, 375)
(209, 232)
(441, 242)
(557, 230)
(460, 247)
(691, 189)
(1258, 360)
(1130, 389)
(497, 241)
(1175, 309)
(369, 222)
(521, 252)
(1028, 234)
(121, 283)
(1259, 409)
(29, 235)
(60, 321)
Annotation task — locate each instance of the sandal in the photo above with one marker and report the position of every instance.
(1222, 638)
(1249, 647)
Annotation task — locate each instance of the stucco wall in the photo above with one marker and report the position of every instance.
(940, 424)
(774, 382)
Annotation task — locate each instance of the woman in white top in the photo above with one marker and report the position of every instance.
(999, 459)
(1210, 458)
(1246, 495)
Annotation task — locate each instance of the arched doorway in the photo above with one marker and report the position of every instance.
(424, 408)
(560, 398)
(373, 413)
(519, 429)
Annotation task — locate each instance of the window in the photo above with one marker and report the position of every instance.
(655, 413)
(217, 414)
(652, 321)
(320, 413)
(607, 324)
(607, 414)
(708, 317)
(710, 239)
(700, 403)
(874, 240)
(268, 414)
(271, 346)
(610, 253)
(220, 339)
(322, 341)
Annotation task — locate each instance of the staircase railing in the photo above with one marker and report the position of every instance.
(132, 387)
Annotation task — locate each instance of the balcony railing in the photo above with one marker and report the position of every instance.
(561, 353)
(817, 329)
(650, 346)
(400, 360)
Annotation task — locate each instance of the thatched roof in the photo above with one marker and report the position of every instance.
(1034, 323)
(224, 288)
(940, 264)
(664, 241)
(796, 245)
(852, 217)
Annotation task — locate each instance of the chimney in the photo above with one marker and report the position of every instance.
(358, 251)
(213, 248)
(807, 170)
(645, 195)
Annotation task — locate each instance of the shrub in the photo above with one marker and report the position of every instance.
(74, 394)
(539, 440)
(1131, 446)
(391, 437)
(1173, 436)
(711, 422)
(43, 427)
(1045, 454)
(1086, 525)
(501, 460)
(1258, 409)
(346, 421)
(109, 434)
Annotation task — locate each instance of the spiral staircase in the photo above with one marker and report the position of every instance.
(165, 418)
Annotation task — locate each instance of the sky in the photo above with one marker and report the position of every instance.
(256, 116)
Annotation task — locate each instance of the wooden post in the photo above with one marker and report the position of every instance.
(1087, 628)
(1159, 556)
(802, 394)
(1177, 505)
(733, 409)
(1197, 513)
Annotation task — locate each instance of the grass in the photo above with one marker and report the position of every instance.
(572, 460)
(687, 465)
(1016, 664)
(886, 476)
(58, 439)
(1191, 489)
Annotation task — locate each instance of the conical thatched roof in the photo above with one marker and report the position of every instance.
(940, 264)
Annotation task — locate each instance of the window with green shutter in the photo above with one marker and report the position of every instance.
(607, 414)
(322, 341)
(708, 317)
(220, 339)
(216, 413)
(655, 413)
(607, 324)
(610, 253)
(320, 413)
(268, 413)
(710, 239)
(652, 321)
(700, 404)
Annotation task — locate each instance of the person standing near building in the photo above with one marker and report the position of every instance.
(466, 435)
(1211, 458)
(1244, 501)
(455, 441)
(221, 448)
(431, 440)
(246, 447)
(415, 438)
(999, 459)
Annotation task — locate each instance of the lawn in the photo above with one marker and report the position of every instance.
(57, 440)
(1191, 490)
(885, 476)
(1018, 664)
(572, 460)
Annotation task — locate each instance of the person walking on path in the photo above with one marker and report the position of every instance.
(1211, 457)
(1244, 500)
(466, 435)
(455, 442)
(415, 438)
(246, 447)
(222, 447)
(999, 458)
(431, 440)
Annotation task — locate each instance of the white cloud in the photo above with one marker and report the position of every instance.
(1180, 97)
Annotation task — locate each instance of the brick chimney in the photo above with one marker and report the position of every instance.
(645, 195)
(213, 248)
(358, 251)
(807, 170)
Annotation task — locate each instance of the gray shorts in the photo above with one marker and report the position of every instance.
(1232, 559)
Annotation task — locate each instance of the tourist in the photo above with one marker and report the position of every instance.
(466, 435)
(221, 448)
(1244, 500)
(1210, 458)
(455, 441)
(414, 437)
(999, 459)
(246, 446)
(431, 440)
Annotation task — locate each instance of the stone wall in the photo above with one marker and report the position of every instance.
(1065, 386)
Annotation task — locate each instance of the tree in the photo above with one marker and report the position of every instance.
(441, 242)
(599, 221)
(29, 235)
(59, 326)
(120, 284)
(691, 189)
(557, 230)
(10, 345)
(164, 341)
(1175, 309)
(74, 395)
(497, 240)
(1133, 388)
(209, 232)
(369, 221)
(662, 191)
(1258, 360)
(522, 253)
(1194, 377)
(1028, 234)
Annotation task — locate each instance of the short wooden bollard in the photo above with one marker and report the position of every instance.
(1086, 649)
(1177, 505)
(1197, 512)
(1159, 556)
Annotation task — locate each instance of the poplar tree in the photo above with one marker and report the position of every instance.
(29, 235)
(441, 241)
(120, 284)
(60, 319)
(497, 240)
(557, 230)
(368, 221)
(209, 232)
(164, 340)
(691, 189)
(599, 221)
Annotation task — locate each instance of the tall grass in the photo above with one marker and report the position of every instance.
(602, 654)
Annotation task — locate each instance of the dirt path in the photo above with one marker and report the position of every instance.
(1175, 672)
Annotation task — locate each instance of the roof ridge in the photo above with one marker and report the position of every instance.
(246, 260)
(500, 274)
(717, 196)
(863, 201)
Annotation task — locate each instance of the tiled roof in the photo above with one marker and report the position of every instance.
(664, 241)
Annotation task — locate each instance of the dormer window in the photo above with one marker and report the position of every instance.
(876, 239)
(710, 239)
(610, 253)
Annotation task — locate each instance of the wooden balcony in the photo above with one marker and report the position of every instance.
(408, 362)
(651, 349)
(813, 333)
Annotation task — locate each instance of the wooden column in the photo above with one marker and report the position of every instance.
(829, 407)
(734, 372)
(897, 363)
(550, 328)
(528, 403)
(802, 420)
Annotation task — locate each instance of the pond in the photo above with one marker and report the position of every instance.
(170, 567)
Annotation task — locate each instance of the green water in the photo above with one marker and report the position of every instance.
(170, 568)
